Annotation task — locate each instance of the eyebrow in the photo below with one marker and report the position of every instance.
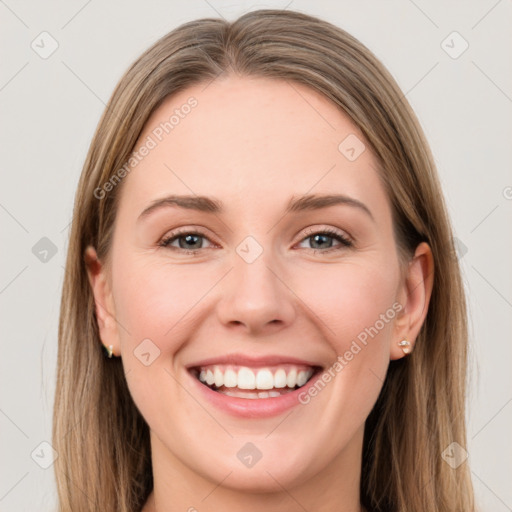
(211, 205)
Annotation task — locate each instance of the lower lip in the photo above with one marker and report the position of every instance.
(254, 407)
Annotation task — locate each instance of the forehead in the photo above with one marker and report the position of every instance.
(252, 142)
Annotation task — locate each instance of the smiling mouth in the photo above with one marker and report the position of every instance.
(254, 383)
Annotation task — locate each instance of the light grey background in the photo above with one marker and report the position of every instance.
(49, 111)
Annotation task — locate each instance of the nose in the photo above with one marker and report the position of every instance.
(256, 299)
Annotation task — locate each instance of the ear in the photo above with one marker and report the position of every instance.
(414, 295)
(103, 299)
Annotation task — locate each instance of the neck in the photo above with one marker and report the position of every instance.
(177, 487)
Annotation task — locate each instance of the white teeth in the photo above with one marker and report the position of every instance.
(302, 378)
(246, 379)
(261, 379)
(280, 379)
(264, 379)
(219, 377)
(230, 379)
(291, 379)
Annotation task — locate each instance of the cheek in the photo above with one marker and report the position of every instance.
(155, 300)
(355, 302)
(357, 317)
(349, 300)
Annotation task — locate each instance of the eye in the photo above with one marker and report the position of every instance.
(189, 242)
(323, 239)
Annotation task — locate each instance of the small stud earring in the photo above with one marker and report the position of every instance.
(110, 350)
(406, 346)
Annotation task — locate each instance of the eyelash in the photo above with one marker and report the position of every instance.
(331, 233)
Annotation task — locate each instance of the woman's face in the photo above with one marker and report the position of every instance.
(267, 299)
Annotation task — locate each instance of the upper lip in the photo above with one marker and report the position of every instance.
(252, 361)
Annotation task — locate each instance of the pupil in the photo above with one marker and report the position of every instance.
(189, 239)
(315, 237)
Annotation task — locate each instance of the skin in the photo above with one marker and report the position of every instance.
(253, 143)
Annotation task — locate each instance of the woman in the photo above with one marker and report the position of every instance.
(243, 365)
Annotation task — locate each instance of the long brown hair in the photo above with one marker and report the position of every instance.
(102, 440)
